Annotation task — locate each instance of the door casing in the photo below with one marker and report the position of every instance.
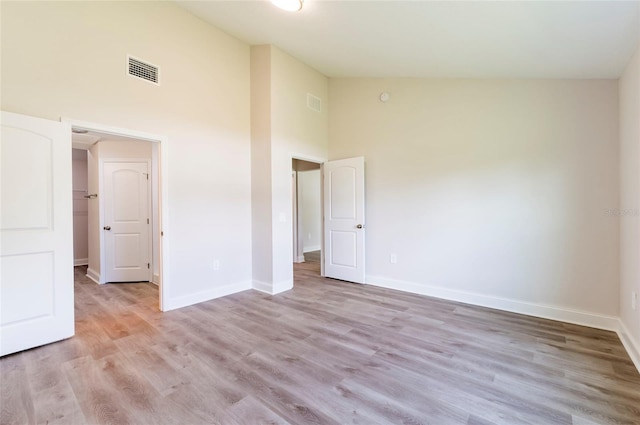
(163, 193)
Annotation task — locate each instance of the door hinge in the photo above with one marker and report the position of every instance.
(148, 265)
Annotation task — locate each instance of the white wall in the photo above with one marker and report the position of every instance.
(59, 58)
(310, 209)
(629, 212)
(489, 191)
(297, 131)
(80, 207)
(261, 214)
(285, 128)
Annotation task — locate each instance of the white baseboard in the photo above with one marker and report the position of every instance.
(273, 288)
(261, 286)
(207, 295)
(562, 314)
(93, 275)
(632, 346)
(80, 261)
(311, 248)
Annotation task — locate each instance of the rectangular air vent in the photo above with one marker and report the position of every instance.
(314, 102)
(144, 70)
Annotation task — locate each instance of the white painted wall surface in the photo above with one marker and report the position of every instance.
(282, 127)
(298, 131)
(80, 207)
(310, 209)
(201, 106)
(261, 214)
(489, 191)
(629, 212)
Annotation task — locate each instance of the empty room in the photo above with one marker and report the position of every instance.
(320, 212)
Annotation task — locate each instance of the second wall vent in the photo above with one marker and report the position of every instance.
(314, 102)
(144, 70)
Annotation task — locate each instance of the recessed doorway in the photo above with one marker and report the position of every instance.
(307, 211)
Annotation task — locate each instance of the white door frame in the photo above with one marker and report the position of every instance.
(316, 160)
(163, 191)
(101, 215)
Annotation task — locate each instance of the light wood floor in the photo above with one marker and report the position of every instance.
(327, 352)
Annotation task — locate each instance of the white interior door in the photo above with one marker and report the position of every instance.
(36, 252)
(344, 219)
(126, 221)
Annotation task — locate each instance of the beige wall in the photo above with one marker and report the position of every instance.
(69, 59)
(261, 214)
(488, 191)
(289, 129)
(629, 213)
(297, 132)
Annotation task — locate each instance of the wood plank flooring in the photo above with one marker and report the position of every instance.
(326, 352)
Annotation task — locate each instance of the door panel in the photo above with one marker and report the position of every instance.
(36, 253)
(126, 215)
(344, 219)
(343, 193)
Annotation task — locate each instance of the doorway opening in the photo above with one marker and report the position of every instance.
(306, 184)
(117, 177)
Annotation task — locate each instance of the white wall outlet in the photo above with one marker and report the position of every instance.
(634, 300)
(393, 258)
(216, 264)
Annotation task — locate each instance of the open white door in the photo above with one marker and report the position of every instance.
(344, 219)
(127, 216)
(36, 252)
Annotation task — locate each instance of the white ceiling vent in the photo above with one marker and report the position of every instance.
(144, 70)
(314, 102)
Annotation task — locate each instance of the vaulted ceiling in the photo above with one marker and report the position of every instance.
(447, 39)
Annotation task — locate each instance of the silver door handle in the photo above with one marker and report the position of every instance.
(360, 226)
(107, 227)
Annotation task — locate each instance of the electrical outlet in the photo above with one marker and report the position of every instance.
(634, 300)
(216, 264)
(393, 258)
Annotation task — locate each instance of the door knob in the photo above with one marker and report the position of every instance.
(107, 227)
(360, 226)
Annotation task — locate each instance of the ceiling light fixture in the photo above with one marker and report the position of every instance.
(289, 5)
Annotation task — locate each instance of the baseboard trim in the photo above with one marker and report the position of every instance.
(93, 275)
(261, 286)
(632, 346)
(273, 288)
(210, 294)
(80, 261)
(311, 248)
(562, 314)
